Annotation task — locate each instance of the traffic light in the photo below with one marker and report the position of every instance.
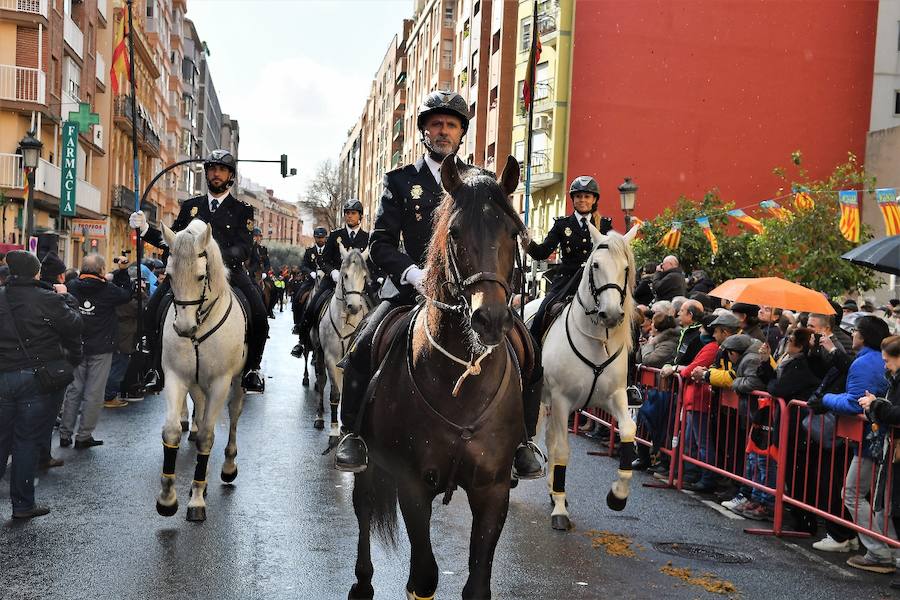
(284, 168)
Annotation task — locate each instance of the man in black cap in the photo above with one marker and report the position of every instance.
(312, 266)
(749, 320)
(30, 309)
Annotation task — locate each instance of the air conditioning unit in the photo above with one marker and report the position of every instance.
(542, 122)
(98, 136)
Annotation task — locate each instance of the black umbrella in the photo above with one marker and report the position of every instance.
(882, 255)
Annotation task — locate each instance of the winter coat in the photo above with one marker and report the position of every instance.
(746, 379)
(755, 332)
(796, 382)
(689, 344)
(886, 412)
(50, 329)
(702, 286)
(668, 284)
(660, 349)
(697, 396)
(721, 374)
(866, 374)
(97, 302)
(643, 291)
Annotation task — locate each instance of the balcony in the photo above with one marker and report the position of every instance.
(22, 84)
(34, 7)
(547, 29)
(398, 128)
(73, 36)
(101, 69)
(542, 174)
(47, 180)
(122, 202)
(147, 136)
(103, 9)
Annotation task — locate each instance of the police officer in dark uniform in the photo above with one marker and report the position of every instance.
(312, 264)
(409, 198)
(571, 235)
(232, 223)
(259, 266)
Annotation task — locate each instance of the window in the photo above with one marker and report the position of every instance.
(897, 103)
(519, 151)
(495, 42)
(526, 35)
(448, 15)
(149, 10)
(447, 54)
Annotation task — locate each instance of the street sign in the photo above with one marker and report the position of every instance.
(68, 168)
(91, 227)
(32, 245)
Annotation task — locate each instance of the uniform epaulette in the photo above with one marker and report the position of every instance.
(560, 218)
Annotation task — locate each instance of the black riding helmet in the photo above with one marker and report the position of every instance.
(320, 232)
(446, 103)
(257, 231)
(225, 159)
(586, 183)
(353, 204)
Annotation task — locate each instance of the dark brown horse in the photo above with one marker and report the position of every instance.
(435, 424)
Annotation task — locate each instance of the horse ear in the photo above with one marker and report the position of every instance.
(596, 236)
(168, 234)
(450, 179)
(509, 179)
(343, 250)
(365, 255)
(632, 233)
(207, 235)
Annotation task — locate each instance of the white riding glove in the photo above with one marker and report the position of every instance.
(264, 275)
(320, 274)
(313, 274)
(137, 220)
(335, 275)
(415, 277)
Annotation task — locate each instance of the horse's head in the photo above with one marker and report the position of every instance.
(196, 272)
(607, 284)
(353, 278)
(472, 255)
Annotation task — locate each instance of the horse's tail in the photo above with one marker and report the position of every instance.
(383, 500)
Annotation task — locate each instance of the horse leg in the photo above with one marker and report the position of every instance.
(320, 390)
(489, 507)
(558, 449)
(305, 368)
(185, 418)
(208, 404)
(618, 495)
(362, 506)
(235, 407)
(199, 406)
(415, 505)
(337, 379)
(167, 501)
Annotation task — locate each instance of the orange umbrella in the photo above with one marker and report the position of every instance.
(774, 291)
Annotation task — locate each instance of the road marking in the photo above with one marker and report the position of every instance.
(815, 558)
(716, 507)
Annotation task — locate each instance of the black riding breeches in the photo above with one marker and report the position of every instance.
(559, 287)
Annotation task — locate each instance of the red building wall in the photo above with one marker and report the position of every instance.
(688, 95)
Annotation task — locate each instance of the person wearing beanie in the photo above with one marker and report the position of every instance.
(30, 309)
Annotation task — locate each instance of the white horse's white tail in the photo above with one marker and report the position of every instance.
(203, 353)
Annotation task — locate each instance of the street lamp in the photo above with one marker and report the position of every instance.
(627, 195)
(31, 153)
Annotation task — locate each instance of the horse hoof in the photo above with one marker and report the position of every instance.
(361, 592)
(196, 513)
(560, 523)
(166, 511)
(614, 502)
(229, 477)
(192, 436)
(319, 424)
(513, 483)
(185, 426)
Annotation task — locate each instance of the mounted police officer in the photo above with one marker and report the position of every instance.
(232, 224)
(259, 266)
(312, 265)
(409, 198)
(571, 235)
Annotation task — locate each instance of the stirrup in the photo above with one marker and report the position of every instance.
(348, 468)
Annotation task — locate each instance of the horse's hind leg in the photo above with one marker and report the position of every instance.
(337, 379)
(362, 506)
(415, 505)
(167, 501)
(235, 407)
(489, 507)
(618, 495)
(305, 368)
(558, 449)
(321, 378)
(209, 404)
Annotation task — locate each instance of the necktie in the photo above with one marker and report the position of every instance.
(352, 235)
(584, 224)
(215, 205)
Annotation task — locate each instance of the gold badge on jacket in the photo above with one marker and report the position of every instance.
(249, 224)
(194, 211)
(568, 232)
(415, 192)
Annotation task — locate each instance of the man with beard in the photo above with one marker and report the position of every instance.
(410, 196)
(232, 224)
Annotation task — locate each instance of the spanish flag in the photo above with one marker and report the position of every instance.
(673, 238)
(890, 210)
(776, 210)
(746, 220)
(802, 199)
(703, 222)
(849, 224)
(119, 65)
(534, 58)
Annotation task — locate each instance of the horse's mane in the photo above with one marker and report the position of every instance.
(185, 245)
(477, 184)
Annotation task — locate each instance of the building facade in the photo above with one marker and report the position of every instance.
(278, 220)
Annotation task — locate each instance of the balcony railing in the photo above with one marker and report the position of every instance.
(35, 7)
(398, 128)
(47, 180)
(101, 69)
(73, 36)
(122, 201)
(146, 132)
(540, 164)
(22, 84)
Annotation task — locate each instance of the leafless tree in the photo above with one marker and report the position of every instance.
(323, 194)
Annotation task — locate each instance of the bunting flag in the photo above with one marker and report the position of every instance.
(802, 199)
(119, 65)
(673, 238)
(890, 210)
(849, 224)
(776, 210)
(708, 232)
(26, 188)
(746, 220)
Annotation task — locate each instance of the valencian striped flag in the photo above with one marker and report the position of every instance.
(746, 220)
(703, 222)
(849, 224)
(776, 210)
(119, 64)
(26, 186)
(890, 210)
(673, 238)
(802, 199)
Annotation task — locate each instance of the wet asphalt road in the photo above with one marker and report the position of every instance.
(286, 529)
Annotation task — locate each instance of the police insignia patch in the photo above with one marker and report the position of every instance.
(568, 232)
(249, 224)
(194, 211)
(416, 192)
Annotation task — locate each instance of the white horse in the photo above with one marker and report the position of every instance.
(204, 352)
(332, 337)
(585, 359)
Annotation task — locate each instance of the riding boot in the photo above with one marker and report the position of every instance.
(526, 464)
(154, 380)
(351, 454)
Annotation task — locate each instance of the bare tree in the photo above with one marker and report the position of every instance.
(323, 194)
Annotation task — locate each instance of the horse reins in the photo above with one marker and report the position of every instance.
(596, 291)
(342, 297)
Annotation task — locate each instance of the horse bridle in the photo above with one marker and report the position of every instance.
(201, 313)
(596, 291)
(457, 285)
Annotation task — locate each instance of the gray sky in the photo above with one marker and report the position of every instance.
(295, 74)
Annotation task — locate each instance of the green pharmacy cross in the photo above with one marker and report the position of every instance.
(84, 117)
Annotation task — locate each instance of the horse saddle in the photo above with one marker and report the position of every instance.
(393, 324)
(324, 299)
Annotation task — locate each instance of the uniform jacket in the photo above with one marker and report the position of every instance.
(313, 260)
(97, 302)
(574, 243)
(48, 326)
(332, 259)
(232, 224)
(409, 198)
(259, 259)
